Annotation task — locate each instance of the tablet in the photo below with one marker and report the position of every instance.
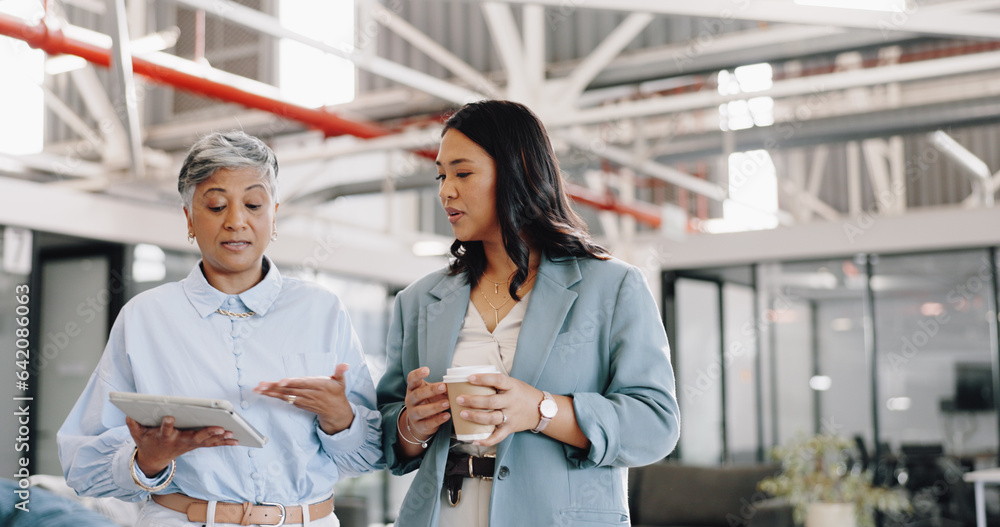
(188, 412)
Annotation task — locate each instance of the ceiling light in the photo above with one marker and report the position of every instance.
(820, 383)
(898, 404)
(841, 324)
(931, 309)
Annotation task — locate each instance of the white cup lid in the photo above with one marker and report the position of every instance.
(461, 373)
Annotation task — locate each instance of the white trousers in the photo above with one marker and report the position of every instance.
(474, 508)
(155, 515)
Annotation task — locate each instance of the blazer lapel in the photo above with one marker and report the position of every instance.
(548, 306)
(443, 320)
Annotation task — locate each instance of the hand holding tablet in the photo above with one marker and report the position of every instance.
(188, 413)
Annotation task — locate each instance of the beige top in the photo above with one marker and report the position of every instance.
(477, 346)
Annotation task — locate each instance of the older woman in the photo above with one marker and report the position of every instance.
(230, 330)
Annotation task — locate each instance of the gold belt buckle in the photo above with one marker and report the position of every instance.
(490, 455)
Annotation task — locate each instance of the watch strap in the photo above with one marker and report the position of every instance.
(543, 420)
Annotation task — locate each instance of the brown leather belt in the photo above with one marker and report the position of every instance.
(461, 466)
(242, 513)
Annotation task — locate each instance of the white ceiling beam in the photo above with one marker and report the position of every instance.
(372, 255)
(509, 46)
(94, 6)
(432, 49)
(70, 118)
(854, 178)
(965, 5)
(810, 203)
(121, 63)
(410, 140)
(95, 98)
(930, 229)
(605, 52)
(651, 168)
(786, 88)
(878, 161)
(817, 169)
(269, 25)
(972, 165)
(69, 166)
(534, 48)
(919, 20)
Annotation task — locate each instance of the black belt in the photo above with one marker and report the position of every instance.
(460, 466)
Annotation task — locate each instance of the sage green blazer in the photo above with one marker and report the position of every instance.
(591, 331)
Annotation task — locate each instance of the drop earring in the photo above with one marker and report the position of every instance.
(274, 235)
(191, 238)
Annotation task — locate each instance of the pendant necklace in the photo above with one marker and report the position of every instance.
(496, 290)
(496, 285)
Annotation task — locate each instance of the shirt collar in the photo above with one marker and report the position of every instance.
(206, 299)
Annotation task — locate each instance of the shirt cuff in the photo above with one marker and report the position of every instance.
(123, 475)
(350, 438)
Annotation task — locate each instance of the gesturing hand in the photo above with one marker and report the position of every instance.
(325, 396)
(159, 445)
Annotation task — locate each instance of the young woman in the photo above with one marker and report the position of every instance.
(586, 378)
(230, 330)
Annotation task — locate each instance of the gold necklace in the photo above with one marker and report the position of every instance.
(496, 309)
(496, 289)
(496, 285)
(232, 314)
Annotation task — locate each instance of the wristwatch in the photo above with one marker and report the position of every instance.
(548, 409)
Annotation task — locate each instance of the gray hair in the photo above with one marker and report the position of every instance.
(229, 150)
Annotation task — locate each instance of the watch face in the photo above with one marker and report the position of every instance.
(548, 408)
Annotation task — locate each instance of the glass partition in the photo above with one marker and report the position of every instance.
(935, 377)
(740, 362)
(699, 371)
(818, 349)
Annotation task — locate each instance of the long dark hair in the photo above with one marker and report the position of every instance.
(532, 206)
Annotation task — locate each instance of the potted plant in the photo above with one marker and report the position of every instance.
(815, 471)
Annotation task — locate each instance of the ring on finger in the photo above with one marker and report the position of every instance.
(290, 399)
(504, 416)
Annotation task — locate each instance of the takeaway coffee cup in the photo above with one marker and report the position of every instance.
(458, 384)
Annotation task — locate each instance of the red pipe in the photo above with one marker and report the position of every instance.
(643, 212)
(50, 39)
(53, 41)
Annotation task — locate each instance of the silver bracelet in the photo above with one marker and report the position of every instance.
(143, 486)
(423, 444)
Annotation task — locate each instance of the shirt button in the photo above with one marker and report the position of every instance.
(251, 452)
(231, 301)
(255, 475)
(504, 472)
(244, 405)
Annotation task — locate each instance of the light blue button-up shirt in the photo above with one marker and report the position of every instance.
(170, 340)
